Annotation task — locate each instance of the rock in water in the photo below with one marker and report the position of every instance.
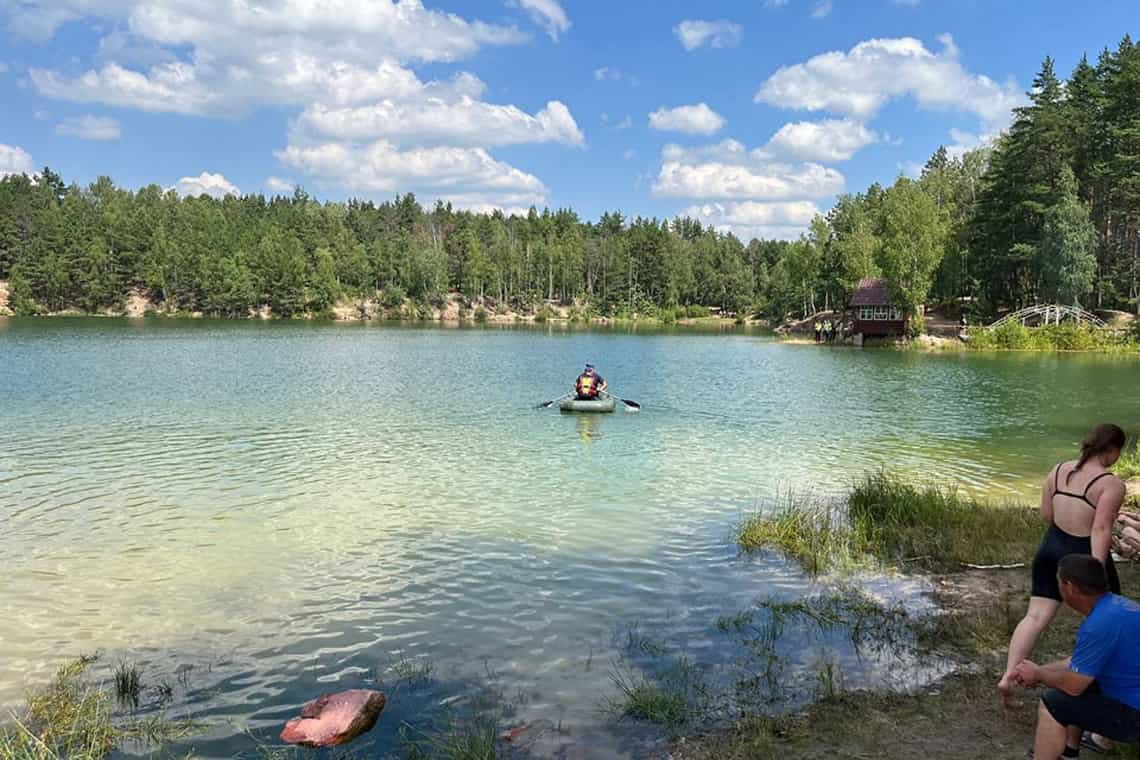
(335, 718)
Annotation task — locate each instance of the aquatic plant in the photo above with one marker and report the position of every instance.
(673, 697)
(887, 519)
(71, 718)
(128, 684)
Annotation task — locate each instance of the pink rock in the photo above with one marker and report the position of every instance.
(335, 718)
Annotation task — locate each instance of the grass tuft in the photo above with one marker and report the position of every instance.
(929, 527)
(676, 697)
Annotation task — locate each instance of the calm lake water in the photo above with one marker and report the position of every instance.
(256, 513)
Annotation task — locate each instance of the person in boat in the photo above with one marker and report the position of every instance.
(1080, 500)
(1098, 688)
(589, 385)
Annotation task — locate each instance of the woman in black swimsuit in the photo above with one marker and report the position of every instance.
(1080, 500)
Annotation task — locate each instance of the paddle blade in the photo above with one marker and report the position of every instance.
(631, 404)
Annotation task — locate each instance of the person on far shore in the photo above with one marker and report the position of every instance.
(818, 331)
(1080, 500)
(589, 384)
(1098, 688)
(829, 331)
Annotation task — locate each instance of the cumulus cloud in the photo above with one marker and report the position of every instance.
(747, 192)
(463, 176)
(830, 140)
(718, 34)
(346, 65)
(15, 160)
(463, 121)
(859, 82)
(278, 185)
(753, 219)
(548, 14)
(89, 127)
(694, 120)
(213, 185)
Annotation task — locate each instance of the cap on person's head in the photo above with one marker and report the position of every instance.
(589, 366)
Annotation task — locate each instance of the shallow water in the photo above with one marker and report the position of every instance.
(261, 512)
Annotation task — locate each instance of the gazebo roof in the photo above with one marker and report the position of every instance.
(872, 291)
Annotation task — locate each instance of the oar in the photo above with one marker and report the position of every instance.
(547, 404)
(627, 402)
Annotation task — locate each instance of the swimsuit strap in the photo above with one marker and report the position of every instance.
(1085, 496)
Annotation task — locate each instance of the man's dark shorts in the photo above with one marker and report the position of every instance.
(1095, 712)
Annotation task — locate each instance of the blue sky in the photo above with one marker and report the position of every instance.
(749, 115)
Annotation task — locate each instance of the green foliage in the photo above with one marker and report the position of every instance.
(393, 297)
(1067, 336)
(72, 719)
(1068, 264)
(1128, 466)
(673, 697)
(894, 522)
(480, 314)
(911, 244)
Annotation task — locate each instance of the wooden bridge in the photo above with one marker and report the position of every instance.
(1050, 314)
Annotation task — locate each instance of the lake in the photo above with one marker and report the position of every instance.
(259, 512)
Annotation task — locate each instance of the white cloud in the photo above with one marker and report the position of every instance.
(822, 9)
(775, 3)
(694, 120)
(89, 127)
(15, 160)
(278, 185)
(718, 34)
(463, 176)
(773, 181)
(625, 123)
(861, 81)
(548, 14)
(213, 185)
(966, 141)
(346, 65)
(629, 154)
(435, 121)
(752, 219)
(356, 28)
(728, 171)
(830, 140)
(606, 72)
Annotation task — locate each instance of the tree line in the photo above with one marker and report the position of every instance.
(1050, 212)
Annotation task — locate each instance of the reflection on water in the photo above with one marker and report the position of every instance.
(283, 508)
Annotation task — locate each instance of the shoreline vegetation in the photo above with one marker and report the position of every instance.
(974, 554)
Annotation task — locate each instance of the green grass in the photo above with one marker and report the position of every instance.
(71, 718)
(676, 697)
(1013, 336)
(885, 519)
(1128, 466)
(812, 531)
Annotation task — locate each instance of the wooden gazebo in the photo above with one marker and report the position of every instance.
(872, 312)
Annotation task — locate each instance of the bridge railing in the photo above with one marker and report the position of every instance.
(1051, 314)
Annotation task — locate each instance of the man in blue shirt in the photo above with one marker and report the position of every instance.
(1098, 688)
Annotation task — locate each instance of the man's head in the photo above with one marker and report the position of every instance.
(589, 369)
(1082, 579)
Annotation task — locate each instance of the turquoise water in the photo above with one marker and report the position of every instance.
(261, 512)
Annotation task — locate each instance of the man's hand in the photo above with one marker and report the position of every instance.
(1027, 673)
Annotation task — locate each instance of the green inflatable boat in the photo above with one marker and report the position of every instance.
(596, 406)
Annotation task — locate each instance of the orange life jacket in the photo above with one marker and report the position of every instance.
(587, 385)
